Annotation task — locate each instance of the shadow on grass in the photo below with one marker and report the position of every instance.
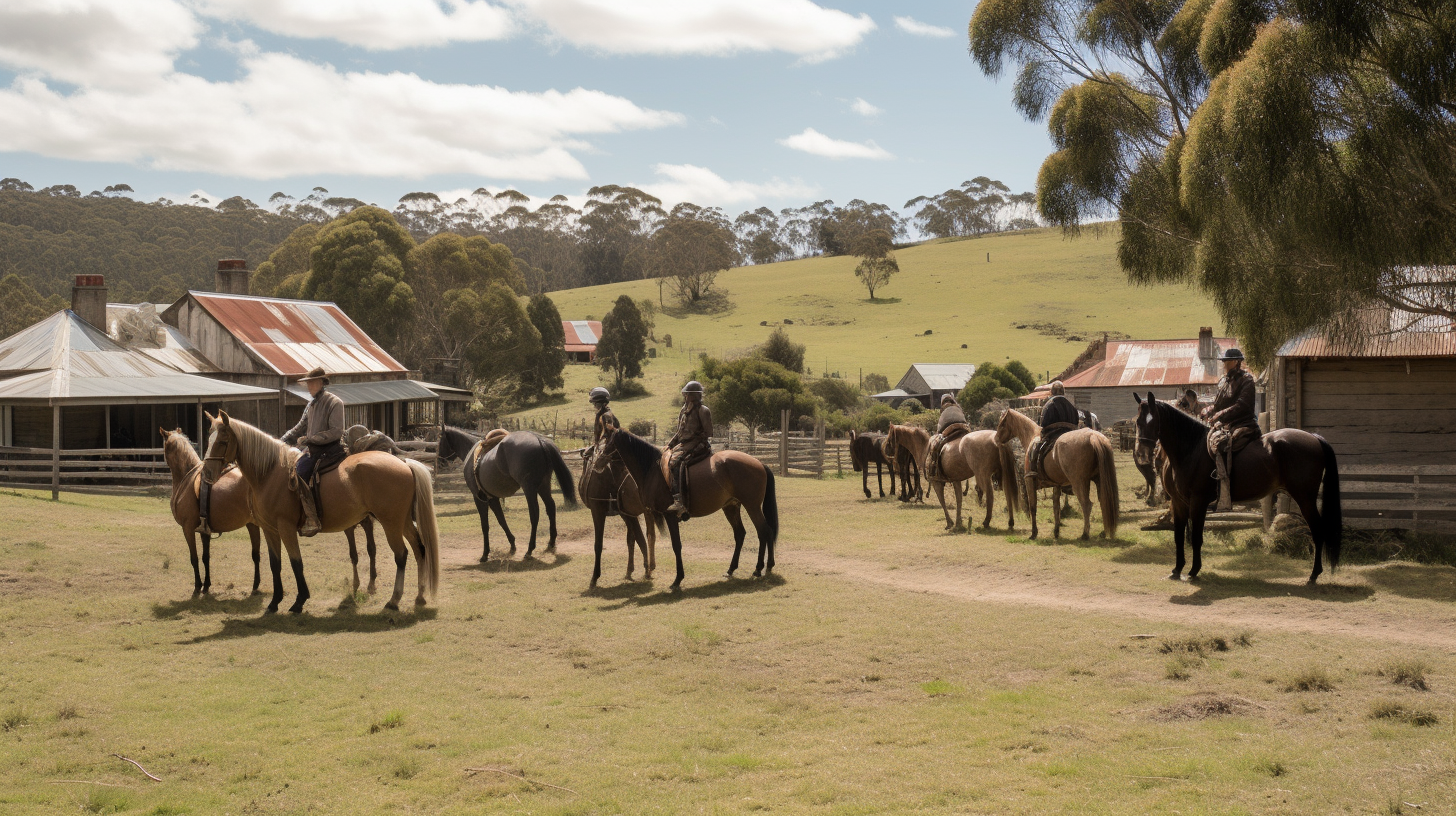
(210, 605)
(338, 621)
(503, 564)
(879, 301)
(1426, 582)
(718, 589)
(1145, 554)
(1212, 587)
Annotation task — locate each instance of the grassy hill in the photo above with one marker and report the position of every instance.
(1038, 299)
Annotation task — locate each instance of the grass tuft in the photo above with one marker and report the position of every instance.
(1269, 766)
(939, 688)
(407, 768)
(1410, 715)
(69, 711)
(13, 719)
(1409, 673)
(106, 800)
(1181, 667)
(393, 719)
(1200, 645)
(1313, 678)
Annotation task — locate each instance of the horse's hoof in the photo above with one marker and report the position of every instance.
(392, 606)
(272, 610)
(485, 559)
(296, 609)
(371, 589)
(1193, 579)
(419, 601)
(1175, 577)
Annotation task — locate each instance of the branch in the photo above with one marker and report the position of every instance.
(139, 767)
(474, 771)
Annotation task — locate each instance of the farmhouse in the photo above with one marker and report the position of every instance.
(1105, 383)
(581, 339)
(926, 382)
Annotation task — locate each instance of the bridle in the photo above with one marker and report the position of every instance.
(222, 458)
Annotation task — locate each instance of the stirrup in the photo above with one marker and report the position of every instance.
(203, 528)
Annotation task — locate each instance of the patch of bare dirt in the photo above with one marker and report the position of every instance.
(1206, 706)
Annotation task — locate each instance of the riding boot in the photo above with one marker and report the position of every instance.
(678, 508)
(1225, 493)
(204, 506)
(309, 526)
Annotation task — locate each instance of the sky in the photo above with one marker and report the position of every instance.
(729, 103)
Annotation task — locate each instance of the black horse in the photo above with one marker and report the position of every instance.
(522, 460)
(1287, 459)
(866, 449)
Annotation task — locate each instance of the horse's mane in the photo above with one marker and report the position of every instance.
(263, 453)
(460, 451)
(630, 445)
(1018, 417)
(1185, 423)
(183, 450)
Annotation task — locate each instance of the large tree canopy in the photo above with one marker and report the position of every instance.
(1294, 158)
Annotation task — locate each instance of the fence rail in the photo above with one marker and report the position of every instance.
(1411, 497)
(89, 470)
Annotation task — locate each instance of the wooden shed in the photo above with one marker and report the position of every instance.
(1106, 386)
(927, 382)
(1386, 402)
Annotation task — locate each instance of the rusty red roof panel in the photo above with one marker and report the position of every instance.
(1395, 335)
(1140, 363)
(584, 334)
(295, 336)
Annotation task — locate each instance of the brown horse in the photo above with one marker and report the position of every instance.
(229, 507)
(977, 454)
(906, 445)
(1298, 462)
(1078, 458)
(395, 492)
(867, 449)
(730, 481)
(607, 487)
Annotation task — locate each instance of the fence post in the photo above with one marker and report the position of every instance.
(784, 442)
(55, 453)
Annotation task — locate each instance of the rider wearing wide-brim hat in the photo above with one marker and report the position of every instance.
(318, 431)
(694, 435)
(1235, 424)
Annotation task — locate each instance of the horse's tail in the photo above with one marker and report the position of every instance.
(563, 474)
(1107, 486)
(771, 507)
(854, 455)
(1331, 516)
(1009, 482)
(424, 513)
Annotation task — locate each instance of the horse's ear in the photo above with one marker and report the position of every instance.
(165, 432)
(210, 417)
(222, 415)
(1138, 398)
(1151, 398)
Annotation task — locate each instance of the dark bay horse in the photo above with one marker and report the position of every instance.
(867, 449)
(730, 481)
(521, 460)
(1295, 461)
(606, 488)
(907, 446)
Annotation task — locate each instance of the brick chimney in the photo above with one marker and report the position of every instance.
(88, 300)
(232, 277)
(1206, 350)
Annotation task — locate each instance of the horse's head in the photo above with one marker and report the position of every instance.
(222, 447)
(445, 449)
(1149, 425)
(176, 449)
(1004, 430)
(891, 444)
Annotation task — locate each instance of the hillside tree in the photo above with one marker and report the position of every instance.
(359, 263)
(622, 348)
(544, 371)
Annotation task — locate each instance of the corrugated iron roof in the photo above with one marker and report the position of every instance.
(945, 376)
(582, 335)
(1391, 334)
(896, 393)
(167, 345)
(1140, 363)
(64, 359)
(293, 337)
(369, 393)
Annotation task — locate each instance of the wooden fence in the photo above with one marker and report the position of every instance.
(1410, 497)
(99, 470)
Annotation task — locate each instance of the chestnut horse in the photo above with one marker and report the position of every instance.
(976, 454)
(906, 446)
(866, 449)
(1295, 461)
(397, 493)
(1078, 458)
(730, 481)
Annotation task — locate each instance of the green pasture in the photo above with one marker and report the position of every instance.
(1057, 287)
(887, 667)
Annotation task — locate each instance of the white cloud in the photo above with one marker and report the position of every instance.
(372, 24)
(812, 141)
(711, 27)
(864, 108)
(910, 25)
(687, 182)
(287, 117)
(95, 42)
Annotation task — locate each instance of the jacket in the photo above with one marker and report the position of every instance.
(1233, 406)
(950, 415)
(322, 423)
(694, 427)
(1059, 409)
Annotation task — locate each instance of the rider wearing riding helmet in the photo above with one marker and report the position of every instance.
(605, 419)
(694, 435)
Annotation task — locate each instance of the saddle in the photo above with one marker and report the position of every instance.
(1237, 440)
(477, 453)
(358, 439)
(687, 465)
(938, 442)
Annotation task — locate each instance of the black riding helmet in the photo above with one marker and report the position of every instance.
(599, 396)
(693, 387)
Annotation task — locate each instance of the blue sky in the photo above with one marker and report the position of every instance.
(736, 104)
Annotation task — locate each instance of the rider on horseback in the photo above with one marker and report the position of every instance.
(694, 435)
(1058, 416)
(319, 429)
(952, 426)
(1234, 422)
(605, 418)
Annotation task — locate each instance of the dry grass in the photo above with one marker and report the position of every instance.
(1407, 672)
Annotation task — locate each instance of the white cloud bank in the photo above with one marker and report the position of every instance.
(910, 25)
(687, 182)
(372, 24)
(864, 108)
(93, 42)
(812, 141)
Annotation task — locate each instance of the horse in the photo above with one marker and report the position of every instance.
(1295, 461)
(607, 487)
(1078, 458)
(976, 454)
(730, 481)
(228, 506)
(521, 460)
(866, 449)
(906, 445)
(396, 492)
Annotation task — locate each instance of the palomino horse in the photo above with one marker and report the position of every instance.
(229, 507)
(1297, 462)
(976, 454)
(866, 449)
(395, 492)
(606, 488)
(227, 511)
(521, 460)
(728, 480)
(1078, 458)
(906, 445)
